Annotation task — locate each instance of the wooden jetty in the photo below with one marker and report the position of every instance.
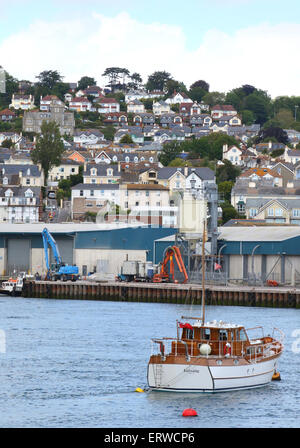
(279, 297)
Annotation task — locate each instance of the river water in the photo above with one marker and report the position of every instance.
(67, 363)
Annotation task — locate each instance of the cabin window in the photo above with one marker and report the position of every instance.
(242, 335)
(223, 335)
(205, 333)
(189, 333)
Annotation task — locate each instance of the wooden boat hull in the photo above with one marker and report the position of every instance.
(211, 377)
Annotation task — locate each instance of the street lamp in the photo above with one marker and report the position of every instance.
(296, 107)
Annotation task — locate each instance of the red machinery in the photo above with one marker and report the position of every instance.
(171, 253)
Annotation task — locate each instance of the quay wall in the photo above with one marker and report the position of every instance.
(164, 293)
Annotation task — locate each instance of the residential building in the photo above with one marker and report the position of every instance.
(32, 120)
(48, 101)
(218, 110)
(24, 175)
(22, 101)
(19, 204)
(66, 169)
(135, 107)
(108, 105)
(80, 104)
(87, 137)
(7, 115)
(178, 98)
(161, 107)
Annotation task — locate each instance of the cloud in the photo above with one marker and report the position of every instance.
(264, 55)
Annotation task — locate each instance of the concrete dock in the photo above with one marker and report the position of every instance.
(279, 297)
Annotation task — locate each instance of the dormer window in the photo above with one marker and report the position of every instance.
(5, 181)
(109, 172)
(9, 194)
(28, 194)
(93, 171)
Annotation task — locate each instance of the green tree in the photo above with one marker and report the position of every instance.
(49, 148)
(197, 94)
(200, 84)
(276, 132)
(170, 152)
(126, 139)
(48, 78)
(229, 212)
(213, 98)
(84, 82)
(227, 172)
(7, 143)
(158, 80)
(225, 188)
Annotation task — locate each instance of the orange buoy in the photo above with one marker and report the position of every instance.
(276, 376)
(189, 412)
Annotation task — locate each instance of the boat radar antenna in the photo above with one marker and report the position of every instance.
(203, 273)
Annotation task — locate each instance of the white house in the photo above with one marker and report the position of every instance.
(20, 101)
(233, 154)
(135, 107)
(161, 107)
(178, 98)
(80, 104)
(108, 105)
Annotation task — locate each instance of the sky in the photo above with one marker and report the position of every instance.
(227, 43)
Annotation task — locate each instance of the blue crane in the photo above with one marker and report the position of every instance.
(58, 270)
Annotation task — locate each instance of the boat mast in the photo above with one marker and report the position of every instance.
(203, 274)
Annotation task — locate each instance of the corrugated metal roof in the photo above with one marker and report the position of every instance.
(266, 233)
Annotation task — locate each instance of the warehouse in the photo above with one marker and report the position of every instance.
(87, 245)
(258, 254)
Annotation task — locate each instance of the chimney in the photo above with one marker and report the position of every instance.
(119, 167)
(270, 145)
(84, 166)
(186, 171)
(225, 149)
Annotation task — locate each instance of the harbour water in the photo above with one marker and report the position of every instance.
(67, 363)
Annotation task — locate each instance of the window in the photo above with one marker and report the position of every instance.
(223, 336)
(137, 204)
(253, 212)
(92, 192)
(242, 335)
(81, 193)
(278, 212)
(270, 211)
(296, 212)
(27, 181)
(205, 333)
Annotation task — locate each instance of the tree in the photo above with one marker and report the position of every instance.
(175, 86)
(126, 139)
(170, 152)
(200, 84)
(115, 76)
(49, 148)
(48, 78)
(213, 98)
(158, 80)
(7, 143)
(225, 189)
(275, 132)
(227, 172)
(135, 81)
(85, 81)
(197, 94)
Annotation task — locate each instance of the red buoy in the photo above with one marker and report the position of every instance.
(189, 412)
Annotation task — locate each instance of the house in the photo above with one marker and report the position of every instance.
(19, 204)
(178, 98)
(26, 174)
(87, 198)
(49, 100)
(87, 137)
(80, 104)
(291, 155)
(134, 132)
(230, 120)
(135, 107)
(108, 105)
(233, 154)
(22, 101)
(7, 115)
(164, 135)
(161, 107)
(254, 174)
(116, 118)
(188, 109)
(167, 120)
(218, 111)
(66, 168)
(144, 119)
(94, 91)
(101, 173)
(32, 120)
(68, 97)
(287, 171)
(200, 120)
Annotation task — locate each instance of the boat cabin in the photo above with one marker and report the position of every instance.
(215, 338)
